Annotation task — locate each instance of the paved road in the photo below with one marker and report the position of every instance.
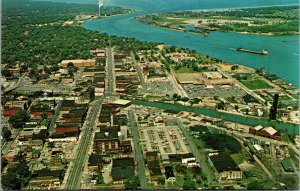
(18, 84)
(110, 83)
(73, 181)
(200, 156)
(54, 118)
(138, 153)
(6, 147)
(139, 71)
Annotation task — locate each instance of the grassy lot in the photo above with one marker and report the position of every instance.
(231, 100)
(184, 70)
(238, 157)
(222, 142)
(199, 143)
(171, 21)
(255, 84)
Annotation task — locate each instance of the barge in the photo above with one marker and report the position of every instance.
(263, 52)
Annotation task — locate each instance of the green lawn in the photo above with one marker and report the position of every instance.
(231, 100)
(238, 157)
(255, 84)
(172, 21)
(184, 70)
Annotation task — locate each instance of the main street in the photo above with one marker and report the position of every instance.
(73, 179)
(110, 83)
(139, 70)
(138, 152)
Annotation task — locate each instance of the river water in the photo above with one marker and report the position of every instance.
(283, 58)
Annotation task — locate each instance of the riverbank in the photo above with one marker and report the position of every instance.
(279, 20)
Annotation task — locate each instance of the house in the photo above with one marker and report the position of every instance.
(9, 111)
(40, 108)
(224, 166)
(65, 128)
(154, 169)
(46, 178)
(169, 173)
(122, 169)
(152, 156)
(106, 141)
(67, 104)
(268, 132)
(95, 162)
(78, 63)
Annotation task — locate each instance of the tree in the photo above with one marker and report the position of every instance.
(175, 96)
(184, 99)
(161, 180)
(255, 185)
(100, 179)
(18, 119)
(10, 181)
(189, 185)
(6, 133)
(44, 116)
(180, 169)
(92, 93)
(6, 73)
(4, 163)
(132, 183)
(236, 107)
(221, 105)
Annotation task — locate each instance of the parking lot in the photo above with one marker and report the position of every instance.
(160, 88)
(202, 91)
(166, 140)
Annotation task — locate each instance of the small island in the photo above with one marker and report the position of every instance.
(276, 20)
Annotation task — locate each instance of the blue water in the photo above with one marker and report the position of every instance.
(282, 59)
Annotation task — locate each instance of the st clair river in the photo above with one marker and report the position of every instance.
(283, 58)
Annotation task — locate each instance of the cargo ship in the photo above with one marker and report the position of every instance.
(263, 52)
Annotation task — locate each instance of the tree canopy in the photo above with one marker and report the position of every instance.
(17, 120)
(132, 183)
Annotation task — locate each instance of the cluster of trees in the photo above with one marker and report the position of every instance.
(6, 133)
(288, 16)
(282, 12)
(18, 174)
(18, 119)
(33, 39)
(279, 28)
(132, 183)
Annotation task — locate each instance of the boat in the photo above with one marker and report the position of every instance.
(263, 52)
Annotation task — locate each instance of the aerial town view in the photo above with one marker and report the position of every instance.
(150, 95)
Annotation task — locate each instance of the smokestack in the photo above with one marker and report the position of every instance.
(273, 109)
(100, 4)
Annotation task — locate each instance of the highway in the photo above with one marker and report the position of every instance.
(110, 83)
(138, 153)
(73, 179)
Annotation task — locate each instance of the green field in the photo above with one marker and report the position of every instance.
(231, 100)
(184, 70)
(222, 142)
(255, 84)
(171, 21)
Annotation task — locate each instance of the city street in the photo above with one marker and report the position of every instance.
(138, 152)
(200, 156)
(139, 71)
(110, 82)
(73, 179)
